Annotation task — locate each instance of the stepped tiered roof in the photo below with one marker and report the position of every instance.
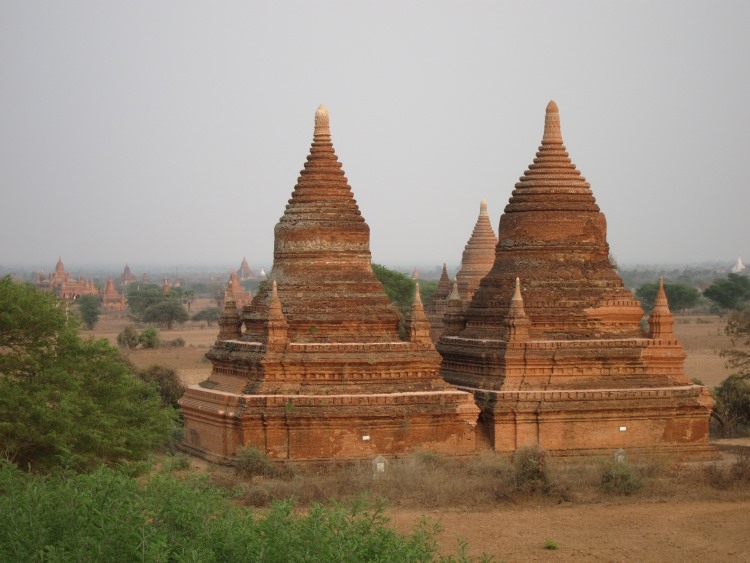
(478, 256)
(552, 339)
(320, 358)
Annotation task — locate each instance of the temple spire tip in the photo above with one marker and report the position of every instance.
(552, 133)
(483, 207)
(322, 121)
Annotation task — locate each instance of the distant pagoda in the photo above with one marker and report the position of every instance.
(112, 299)
(127, 277)
(245, 273)
(551, 343)
(314, 368)
(65, 286)
(236, 293)
(738, 267)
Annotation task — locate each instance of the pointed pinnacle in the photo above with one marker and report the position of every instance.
(483, 207)
(321, 121)
(552, 133)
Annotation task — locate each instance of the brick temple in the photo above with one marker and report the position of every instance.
(313, 368)
(64, 285)
(112, 300)
(551, 342)
(477, 259)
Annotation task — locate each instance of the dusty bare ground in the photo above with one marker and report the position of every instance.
(641, 531)
(637, 530)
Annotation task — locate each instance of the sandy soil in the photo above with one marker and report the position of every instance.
(627, 531)
(642, 531)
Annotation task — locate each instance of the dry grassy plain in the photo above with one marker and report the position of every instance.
(686, 521)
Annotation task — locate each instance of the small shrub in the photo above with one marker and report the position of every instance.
(530, 470)
(176, 463)
(621, 479)
(550, 544)
(252, 462)
(128, 338)
(168, 382)
(150, 338)
(178, 342)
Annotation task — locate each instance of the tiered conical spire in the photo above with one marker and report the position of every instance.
(444, 285)
(478, 256)
(553, 235)
(230, 326)
(552, 181)
(419, 326)
(322, 260)
(516, 320)
(453, 320)
(661, 322)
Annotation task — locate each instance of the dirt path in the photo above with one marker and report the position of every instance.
(645, 531)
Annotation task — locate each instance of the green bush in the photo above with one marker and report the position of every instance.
(733, 405)
(621, 479)
(128, 338)
(251, 462)
(68, 401)
(150, 338)
(167, 381)
(530, 470)
(108, 516)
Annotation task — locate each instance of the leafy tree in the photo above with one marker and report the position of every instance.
(398, 287)
(129, 337)
(65, 400)
(738, 329)
(733, 404)
(210, 315)
(165, 313)
(150, 338)
(681, 296)
(141, 296)
(426, 289)
(167, 381)
(88, 309)
(732, 292)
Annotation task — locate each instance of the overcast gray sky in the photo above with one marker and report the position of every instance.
(173, 132)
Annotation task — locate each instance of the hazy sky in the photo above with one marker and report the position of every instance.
(173, 132)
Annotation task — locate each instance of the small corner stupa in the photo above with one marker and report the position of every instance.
(551, 342)
(313, 368)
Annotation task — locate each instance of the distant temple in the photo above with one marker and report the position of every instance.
(551, 342)
(127, 277)
(245, 273)
(314, 368)
(236, 293)
(65, 286)
(112, 299)
(738, 267)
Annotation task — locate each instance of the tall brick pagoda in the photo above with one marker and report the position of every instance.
(314, 368)
(551, 342)
(478, 256)
(237, 292)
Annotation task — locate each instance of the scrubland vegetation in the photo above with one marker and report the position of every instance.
(90, 470)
